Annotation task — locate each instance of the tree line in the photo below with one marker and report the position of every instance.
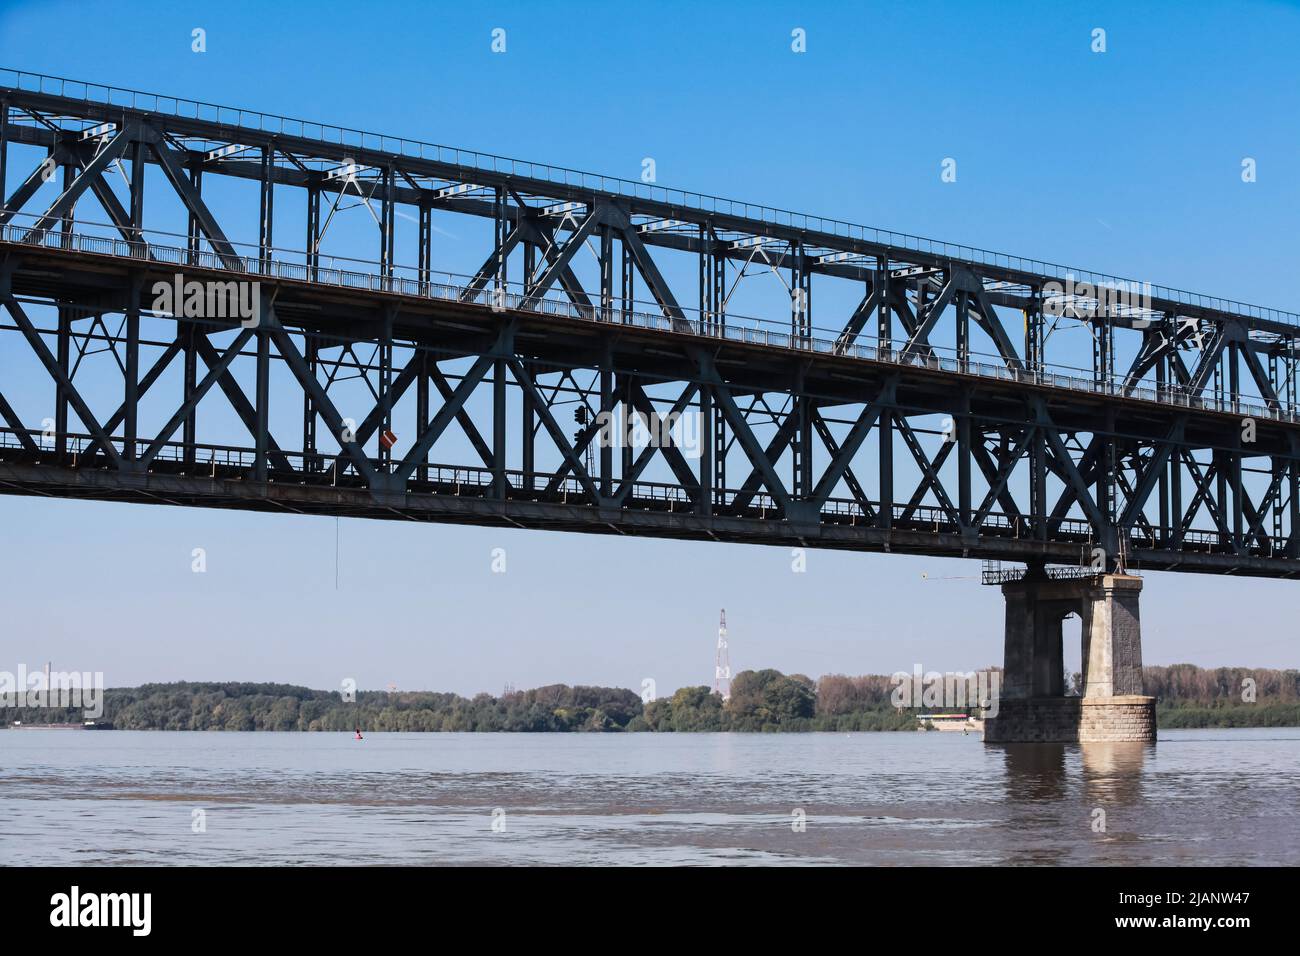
(1191, 696)
(761, 701)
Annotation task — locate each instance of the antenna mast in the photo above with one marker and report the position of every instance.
(722, 663)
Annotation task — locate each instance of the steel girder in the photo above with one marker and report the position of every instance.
(1003, 456)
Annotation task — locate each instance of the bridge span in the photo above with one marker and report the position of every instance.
(877, 391)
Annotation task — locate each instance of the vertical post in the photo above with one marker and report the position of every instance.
(807, 407)
(422, 408)
(628, 282)
(1293, 545)
(267, 215)
(1221, 494)
(800, 294)
(530, 265)
(796, 320)
(1234, 374)
(1238, 505)
(801, 443)
(1033, 321)
(1176, 492)
(1038, 323)
(499, 222)
(4, 149)
(60, 393)
(528, 432)
(500, 450)
(1109, 327)
(1162, 488)
(193, 235)
(963, 329)
(719, 452)
(1274, 381)
(426, 245)
(922, 296)
(807, 298)
(187, 333)
(132, 370)
(704, 507)
(1099, 327)
(1105, 493)
(705, 275)
(1292, 367)
(719, 304)
(389, 215)
(499, 435)
(884, 318)
(625, 427)
(964, 460)
(311, 349)
(263, 404)
(137, 191)
(606, 273)
(1278, 473)
(386, 384)
(65, 223)
(1039, 512)
(607, 410)
(313, 232)
(885, 454)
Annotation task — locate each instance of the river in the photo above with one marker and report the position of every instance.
(119, 797)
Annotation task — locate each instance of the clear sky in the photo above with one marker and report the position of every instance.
(1127, 161)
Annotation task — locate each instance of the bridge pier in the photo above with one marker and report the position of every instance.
(1032, 706)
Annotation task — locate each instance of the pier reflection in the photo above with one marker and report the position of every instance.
(1112, 773)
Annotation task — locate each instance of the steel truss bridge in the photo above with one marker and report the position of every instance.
(894, 394)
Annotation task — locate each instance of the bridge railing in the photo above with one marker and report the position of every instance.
(993, 573)
(735, 328)
(332, 468)
(235, 118)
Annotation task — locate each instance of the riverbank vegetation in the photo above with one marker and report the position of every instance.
(1190, 696)
(761, 701)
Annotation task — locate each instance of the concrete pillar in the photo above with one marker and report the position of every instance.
(1112, 649)
(1032, 706)
(1049, 652)
(1033, 659)
(1018, 645)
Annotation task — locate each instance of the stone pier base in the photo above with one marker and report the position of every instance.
(1032, 706)
(1073, 720)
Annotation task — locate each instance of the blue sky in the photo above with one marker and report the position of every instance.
(1126, 161)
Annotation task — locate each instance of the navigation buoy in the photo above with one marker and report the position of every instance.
(359, 737)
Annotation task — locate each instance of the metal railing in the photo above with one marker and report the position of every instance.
(335, 468)
(742, 329)
(235, 118)
(993, 573)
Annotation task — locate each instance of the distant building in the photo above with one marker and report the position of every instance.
(965, 722)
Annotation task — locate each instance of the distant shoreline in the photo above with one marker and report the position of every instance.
(765, 701)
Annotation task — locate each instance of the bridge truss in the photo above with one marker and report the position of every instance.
(920, 406)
